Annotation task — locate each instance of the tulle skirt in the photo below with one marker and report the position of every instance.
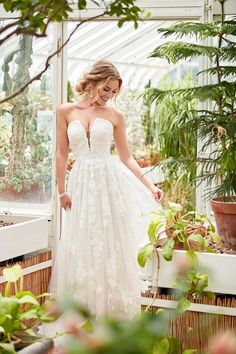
(96, 255)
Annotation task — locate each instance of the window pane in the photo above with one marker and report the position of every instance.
(26, 121)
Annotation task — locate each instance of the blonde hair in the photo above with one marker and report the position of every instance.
(101, 72)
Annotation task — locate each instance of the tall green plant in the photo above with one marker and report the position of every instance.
(177, 146)
(216, 126)
(148, 124)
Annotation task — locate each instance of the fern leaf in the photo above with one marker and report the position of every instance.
(201, 93)
(228, 53)
(175, 51)
(224, 71)
(199, 30)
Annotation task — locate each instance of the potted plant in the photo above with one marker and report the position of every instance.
(207, 286)
(20, 313)
(191, 232)
(216, 125)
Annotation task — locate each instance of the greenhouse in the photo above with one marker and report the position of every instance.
(117, 176)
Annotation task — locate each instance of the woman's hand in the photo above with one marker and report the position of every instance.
(157, 193)
(65, 201)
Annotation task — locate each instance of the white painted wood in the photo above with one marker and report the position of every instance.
(221, 270)
(173, 9)
(170, 304)
(203, 204)
(32, 269)
(27, 235)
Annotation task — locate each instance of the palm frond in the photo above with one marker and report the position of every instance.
(229, 43)
(175, 51)
(228, 28)
(228, 53)
(199, 30)
(224, 71)
(201, 93)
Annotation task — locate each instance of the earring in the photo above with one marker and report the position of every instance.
(91, 95)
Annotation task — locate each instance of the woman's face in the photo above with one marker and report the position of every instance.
(106, 92)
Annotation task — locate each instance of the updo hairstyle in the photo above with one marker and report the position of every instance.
(101, 72)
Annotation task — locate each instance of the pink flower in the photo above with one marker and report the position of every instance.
(222, 343)
(182, 264)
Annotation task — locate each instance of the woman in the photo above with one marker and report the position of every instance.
(105, 197)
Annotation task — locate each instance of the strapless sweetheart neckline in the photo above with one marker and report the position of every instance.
(88, 131)
(91, 123)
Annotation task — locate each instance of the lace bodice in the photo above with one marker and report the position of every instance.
(96, 143)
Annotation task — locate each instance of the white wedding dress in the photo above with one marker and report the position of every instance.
(96, 256)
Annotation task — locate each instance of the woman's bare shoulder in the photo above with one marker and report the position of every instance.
(117, 115)
(65, 108)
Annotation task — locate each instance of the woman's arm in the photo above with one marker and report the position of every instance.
(127, 158)
(62, 149)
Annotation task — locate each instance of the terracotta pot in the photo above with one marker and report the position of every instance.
(225, 215)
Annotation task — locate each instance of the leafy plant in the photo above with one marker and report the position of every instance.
(189, 282)
(20, 312)
(189, 232)
(176, 146)
(24, 180)
(216, 125)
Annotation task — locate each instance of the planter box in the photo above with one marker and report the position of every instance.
(28, 234)
(221, 270)
(205, 317)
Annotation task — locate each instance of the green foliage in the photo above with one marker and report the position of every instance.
(24, 179)
(126, 10)
(215, 126)
(165, 132)
(190, 283)
(15, 309)
(5, 136)
(188, 231)
(175, 51)
(199, 30)
(145, 254)
(35, 16)
(70, 92)
(148, 124)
